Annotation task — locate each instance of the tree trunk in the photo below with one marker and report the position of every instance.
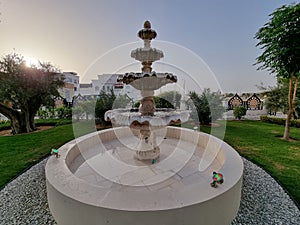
(32, 112)
(31, 122)
(18, 122)
(25, 118)
(15, 126)
(293, 84)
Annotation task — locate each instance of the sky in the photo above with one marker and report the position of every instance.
(205, 42)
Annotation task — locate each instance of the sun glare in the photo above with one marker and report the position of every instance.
(31, 62)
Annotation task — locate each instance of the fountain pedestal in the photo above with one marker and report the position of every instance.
(147, 107)
(147, 148)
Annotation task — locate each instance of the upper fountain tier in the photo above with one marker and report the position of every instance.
(147, 80)
(147, 55)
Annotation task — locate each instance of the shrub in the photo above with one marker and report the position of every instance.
(239, 112)
(279, 121)
(206, 107)
(137, 104)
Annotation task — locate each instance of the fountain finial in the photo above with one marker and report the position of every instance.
(147, 24)
(147, 33)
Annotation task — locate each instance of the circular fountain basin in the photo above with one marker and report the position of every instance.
(97, 180)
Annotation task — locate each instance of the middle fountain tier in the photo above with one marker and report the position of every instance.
(147, 120)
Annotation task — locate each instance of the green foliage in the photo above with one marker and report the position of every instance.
(239, 112)
(277, 99)
(280, 41)
(121, 101)
(280, 121)
(104, 103)
(162, 103)
(4, 124)
(77, 111)
(215, 104)
(63, 112)
(206, 107)
(169, 99)
(24, 89)
(88, 108)
(137, 104)
(52, 122)
(46, 113)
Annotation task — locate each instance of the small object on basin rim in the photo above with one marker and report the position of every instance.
(217, 179)
(55, 152)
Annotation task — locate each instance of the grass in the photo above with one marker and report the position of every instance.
(18, 152)
(262, 144)
(257, 141)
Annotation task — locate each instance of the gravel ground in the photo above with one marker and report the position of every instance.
(264, 202)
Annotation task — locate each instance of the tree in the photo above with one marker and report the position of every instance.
(104, 103)
(280, 41)
(121, 101)
(169, 99)
(215, 103)
(24, 89)
(206, 107)
(77, 111)
(88, 108)
(276, 97)
(239, 112)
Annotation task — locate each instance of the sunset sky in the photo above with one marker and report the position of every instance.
(75, 35)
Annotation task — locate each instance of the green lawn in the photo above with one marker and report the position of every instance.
(259, 142)
(21, 151)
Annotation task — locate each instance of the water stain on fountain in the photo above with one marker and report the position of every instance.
(108, 176)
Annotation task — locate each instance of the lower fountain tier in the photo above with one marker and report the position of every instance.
(98, 177)
(161, 117)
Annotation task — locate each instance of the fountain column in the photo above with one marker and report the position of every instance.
(147, 56)
(147, 82)
(147, 147)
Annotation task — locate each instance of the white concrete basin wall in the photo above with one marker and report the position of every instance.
(74, 201)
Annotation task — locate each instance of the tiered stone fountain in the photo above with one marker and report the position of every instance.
(142, 171)
(149, 119)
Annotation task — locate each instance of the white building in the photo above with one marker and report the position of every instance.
(106, 83)
(85, 89)
(72, 78)
(71, 87)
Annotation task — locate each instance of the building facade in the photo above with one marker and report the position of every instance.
(69, 90)
(107, 83)
(251, 103)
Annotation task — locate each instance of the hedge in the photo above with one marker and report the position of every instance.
(280, 121)
(39, 122)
